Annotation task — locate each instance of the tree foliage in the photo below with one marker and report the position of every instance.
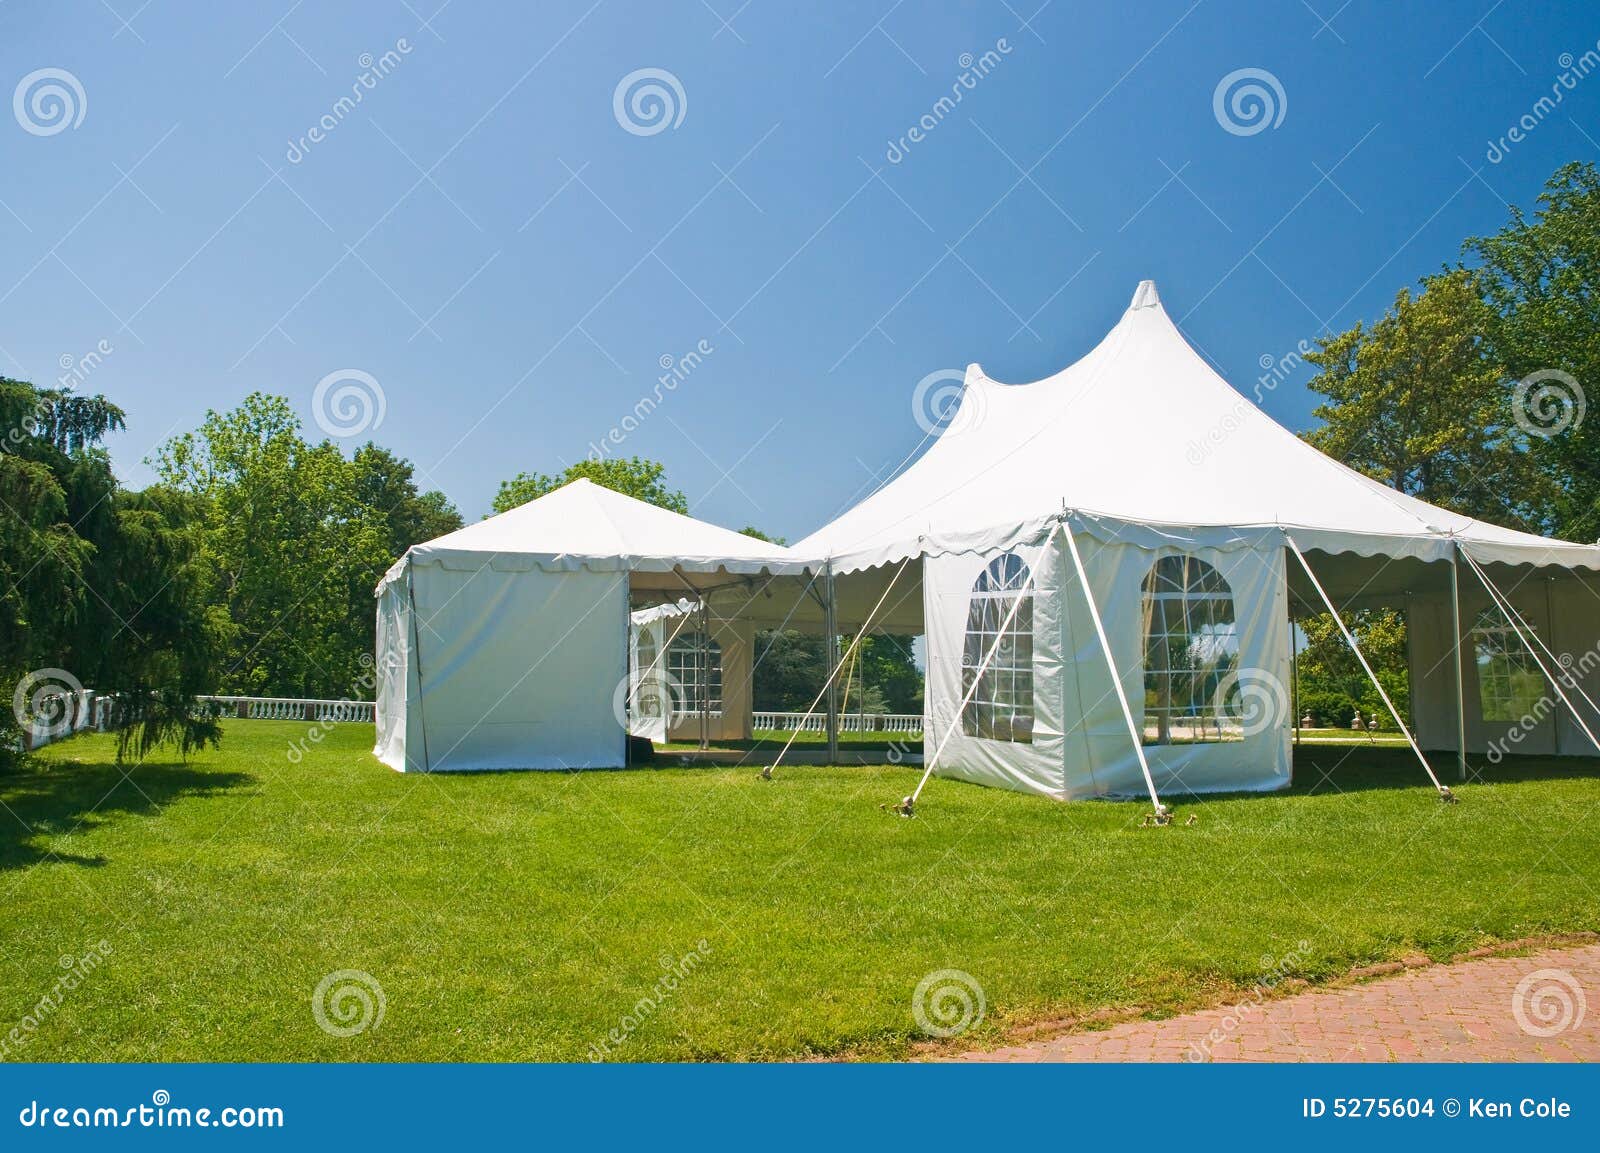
(1418, 400)
(1540, 275)
(295, 537)
(641, 479)
(95, 580)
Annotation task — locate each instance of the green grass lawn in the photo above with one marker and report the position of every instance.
(523, 915)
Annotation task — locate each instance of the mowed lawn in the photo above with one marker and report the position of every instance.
(525, 915)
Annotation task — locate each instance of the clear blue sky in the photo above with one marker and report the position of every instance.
(483, 237)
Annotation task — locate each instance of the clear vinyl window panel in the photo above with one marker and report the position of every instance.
(1191, 646)
(1510, 685)
(691, 683)
(646, 685)
(1001, 704)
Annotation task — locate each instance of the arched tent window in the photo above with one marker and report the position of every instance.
(1191, 644)
(692, 683)
(647, 691)
(1001, 707)
(1510, 685)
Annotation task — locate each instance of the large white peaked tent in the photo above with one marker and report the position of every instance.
(1106, 565)
(505, 644)
(1187, 510)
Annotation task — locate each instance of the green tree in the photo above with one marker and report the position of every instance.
(1418, 400)
(386, 485)
(632, 477)
(291, 552)
(98, 581)
(1326, 668)
(1541, 277)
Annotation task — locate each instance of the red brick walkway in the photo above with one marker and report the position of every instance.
(1461, 1012)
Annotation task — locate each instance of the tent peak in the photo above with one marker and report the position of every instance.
(1145, 296)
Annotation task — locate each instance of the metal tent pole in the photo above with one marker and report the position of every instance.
(830, 628)
(1461, 682)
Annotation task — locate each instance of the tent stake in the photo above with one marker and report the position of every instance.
(1162, 814)
(1517, 624)
(1444, 793)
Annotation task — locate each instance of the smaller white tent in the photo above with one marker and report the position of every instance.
(505, 644)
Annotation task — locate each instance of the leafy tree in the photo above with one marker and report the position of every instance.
(98, 581)
(1327, 669)
(291, 552)
(1418, 400)
(632, 477)
(1541, 277)
(386, 484)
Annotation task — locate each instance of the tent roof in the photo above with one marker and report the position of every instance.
(585, 525)
(1140, 434)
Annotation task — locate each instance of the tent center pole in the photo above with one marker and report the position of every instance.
(830, 628)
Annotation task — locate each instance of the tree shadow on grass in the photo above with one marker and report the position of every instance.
(43, 800)
(1351, 768)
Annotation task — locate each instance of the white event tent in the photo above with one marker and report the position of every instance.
(1105, 564)
(1110, 557)
(505, 644)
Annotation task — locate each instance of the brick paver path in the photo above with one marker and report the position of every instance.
(1461, 1012)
